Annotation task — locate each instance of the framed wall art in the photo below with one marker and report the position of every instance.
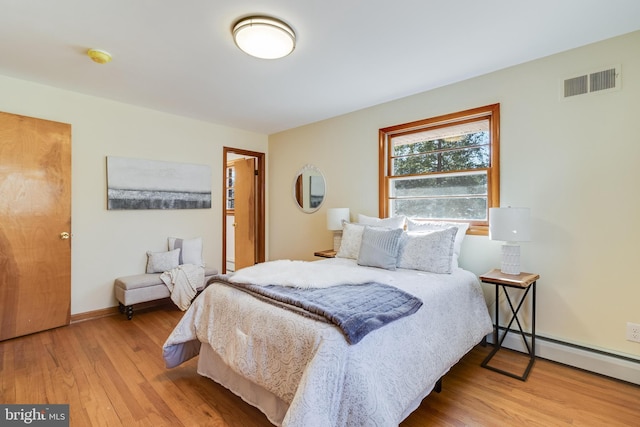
(152, 184)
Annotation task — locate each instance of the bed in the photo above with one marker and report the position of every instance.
(301, 371)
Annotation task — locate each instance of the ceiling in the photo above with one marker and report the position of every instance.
(179, 57)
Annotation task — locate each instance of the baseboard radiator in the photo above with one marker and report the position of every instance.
(600, 362)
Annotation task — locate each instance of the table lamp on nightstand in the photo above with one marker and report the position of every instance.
(335, 216)
(511, 225)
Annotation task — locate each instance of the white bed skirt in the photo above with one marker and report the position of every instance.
(210, 365)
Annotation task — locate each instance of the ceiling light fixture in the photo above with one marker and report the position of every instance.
(264, 37)
(99, 56)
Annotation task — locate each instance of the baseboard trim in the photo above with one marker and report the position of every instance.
(88, 315)
(609, 364)
(110, 311)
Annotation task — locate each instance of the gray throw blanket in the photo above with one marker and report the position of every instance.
(355, 309)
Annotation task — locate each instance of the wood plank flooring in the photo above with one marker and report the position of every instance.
(111, 372)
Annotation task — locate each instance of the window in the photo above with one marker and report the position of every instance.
(443, 168)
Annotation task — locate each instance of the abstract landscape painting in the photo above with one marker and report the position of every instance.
(152, 184)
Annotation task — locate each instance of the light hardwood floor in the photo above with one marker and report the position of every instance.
(111, 372)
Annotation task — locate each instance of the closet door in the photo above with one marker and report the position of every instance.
(35, 225)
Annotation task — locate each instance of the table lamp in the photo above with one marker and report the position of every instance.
(335, 216)
(511, 225)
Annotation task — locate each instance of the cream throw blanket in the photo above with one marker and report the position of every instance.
(183, 283)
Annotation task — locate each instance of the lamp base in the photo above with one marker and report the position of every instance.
(510, 259)
(337, 240)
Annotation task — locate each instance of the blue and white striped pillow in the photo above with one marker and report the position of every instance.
(379, 247)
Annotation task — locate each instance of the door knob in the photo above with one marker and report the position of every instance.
(64, 235)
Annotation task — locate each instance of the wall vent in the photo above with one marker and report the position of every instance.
(605, 80)
(602, 80)
(576, 86)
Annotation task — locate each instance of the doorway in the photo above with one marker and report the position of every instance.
(243, 209)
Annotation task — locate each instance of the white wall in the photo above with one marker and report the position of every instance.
(573, 162)
(108, 244)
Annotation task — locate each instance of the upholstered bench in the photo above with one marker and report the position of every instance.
(141, 288)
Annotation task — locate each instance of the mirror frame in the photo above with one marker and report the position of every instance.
(310, 169)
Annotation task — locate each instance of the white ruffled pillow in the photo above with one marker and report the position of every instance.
(428, 251)
(413, 225)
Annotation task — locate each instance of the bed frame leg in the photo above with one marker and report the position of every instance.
(438, 386)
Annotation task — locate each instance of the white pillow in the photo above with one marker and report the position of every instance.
(393, 222)
(351, 240)
(159, 262)
(190, 250)
(379, 247)
(428, 251)
(413, 225)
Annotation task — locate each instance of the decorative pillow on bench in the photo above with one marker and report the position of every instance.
(159, 262)
(190, 250)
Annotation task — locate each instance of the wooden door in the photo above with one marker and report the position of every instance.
(35, 211)
(245, 221)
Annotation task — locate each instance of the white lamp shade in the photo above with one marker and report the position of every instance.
(335, 216)
(264, 37)
(510, 224)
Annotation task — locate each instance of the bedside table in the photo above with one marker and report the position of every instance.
(329, 253)
(523, 281)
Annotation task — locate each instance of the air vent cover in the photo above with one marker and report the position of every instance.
(576, 86)
(602, 80)
(598, 81)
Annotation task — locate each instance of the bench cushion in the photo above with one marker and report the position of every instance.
(138, 281)
(140, 288)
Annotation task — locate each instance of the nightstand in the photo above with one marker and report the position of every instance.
(329, 253)
(525, 282)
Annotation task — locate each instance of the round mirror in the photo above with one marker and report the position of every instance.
(309, 189)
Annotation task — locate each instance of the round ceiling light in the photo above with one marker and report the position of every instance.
(99, 56)
(264, 37)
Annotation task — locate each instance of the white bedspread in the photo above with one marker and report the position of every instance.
(327, 382)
